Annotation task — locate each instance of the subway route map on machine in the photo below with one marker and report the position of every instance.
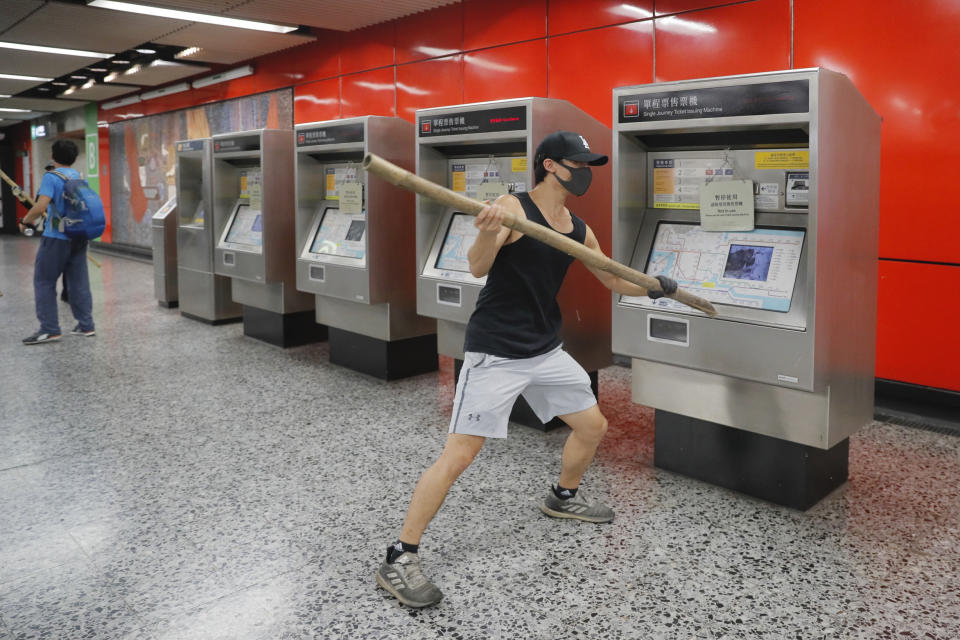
(744, 268)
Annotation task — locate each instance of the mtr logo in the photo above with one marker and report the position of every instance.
(631, 109)
(425, 126)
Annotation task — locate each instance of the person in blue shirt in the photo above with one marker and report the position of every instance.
(58, 255)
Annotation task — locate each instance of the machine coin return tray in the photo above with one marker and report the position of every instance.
(229, 259)
(668, 330)
(317, 273)
(448, 295)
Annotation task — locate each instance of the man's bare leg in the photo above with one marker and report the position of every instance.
(588, 427)
(436, 481)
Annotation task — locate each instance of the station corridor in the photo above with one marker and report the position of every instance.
(169, 479)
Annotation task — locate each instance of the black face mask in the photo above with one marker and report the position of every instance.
(579, 181)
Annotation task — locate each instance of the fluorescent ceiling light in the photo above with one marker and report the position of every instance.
(14, 110)
(118, 61)
(191, 16)
(87, 84)
(79, 77)
(132, 70)
(11, 76)
(69, 91)
(120, 103)
(97, 69)
(111, 77)
(3, 95)
(166, 91)
(147, 51)
(224, 76)
(56, 50)
(186, 53)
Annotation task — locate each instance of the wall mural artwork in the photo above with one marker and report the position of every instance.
(142, 157)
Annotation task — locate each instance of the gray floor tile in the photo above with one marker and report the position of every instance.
(31, 549)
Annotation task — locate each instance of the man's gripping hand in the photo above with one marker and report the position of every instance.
(667, 286)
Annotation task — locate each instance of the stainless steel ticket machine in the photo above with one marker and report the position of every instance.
(762, 399)
(163, 225)
(204, 295)
(356, 252)
(254, 223)
(481, 150)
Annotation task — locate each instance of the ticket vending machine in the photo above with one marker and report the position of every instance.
(356, 250)
(763, 398)
(163, 225)
(253, 209)
(481, 150)
(204, 295)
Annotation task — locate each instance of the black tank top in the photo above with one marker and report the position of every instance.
(517, 315)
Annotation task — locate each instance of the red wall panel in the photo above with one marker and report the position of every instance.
(904, 59)
(920, 348)
(373, 93)
(589, 86)
(369, 48)
(488, 23)
(316, 101)
(513, 71)
(673, 6)
(306, 63)
(434, 83)
(103, 139)
(743, 38)
(430, 34)
(567, 16)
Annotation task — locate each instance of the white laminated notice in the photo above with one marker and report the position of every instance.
(767, 197)
(727, 205)
(351, 198)
(254, 188)
(490, 191)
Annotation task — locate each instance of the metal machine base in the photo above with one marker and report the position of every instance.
(387, 360)
(522, 413)
(168, 304)
(213, 323)
(282, 329)
(785, 473)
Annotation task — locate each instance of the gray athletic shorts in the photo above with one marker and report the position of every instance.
(553, 384)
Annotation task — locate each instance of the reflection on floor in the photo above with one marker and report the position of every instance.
(168, 479)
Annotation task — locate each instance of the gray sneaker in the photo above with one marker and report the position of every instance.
(577, 507)
(404, 580)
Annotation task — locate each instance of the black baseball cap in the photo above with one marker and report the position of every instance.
(567, 145)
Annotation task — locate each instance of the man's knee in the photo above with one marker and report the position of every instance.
(594, 428)
(456, 457)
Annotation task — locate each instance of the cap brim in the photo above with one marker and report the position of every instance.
(593, 159)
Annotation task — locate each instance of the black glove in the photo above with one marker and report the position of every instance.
(667, 286)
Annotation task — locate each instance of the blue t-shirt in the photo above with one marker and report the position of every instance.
(52, 187)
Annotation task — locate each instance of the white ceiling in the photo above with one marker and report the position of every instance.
(72, 24)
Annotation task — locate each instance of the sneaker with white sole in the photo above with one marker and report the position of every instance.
(578, 507)
(405, 582)
(40, 337)
(77, 331)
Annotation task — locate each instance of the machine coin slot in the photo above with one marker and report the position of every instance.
(668, 330)
(448, 295)
(317, 273)
(229, 259)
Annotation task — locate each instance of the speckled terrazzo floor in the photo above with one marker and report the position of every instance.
(169, 479)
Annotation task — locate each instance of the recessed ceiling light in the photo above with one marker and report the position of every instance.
(87, 84)
(69, 91)
(120, 61)
(132, 70)
(56, 50)
(147, 51)
(59, 84)
(191, 16)
(3, 95)
(14, 110)
(189, 51)
(97, 69)
(78, 77)
(43, 88)
(11, 76)
(111, 77)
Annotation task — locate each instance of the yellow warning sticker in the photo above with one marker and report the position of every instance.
(332, 186)
(781, 160)
(676, 205)
(708, 285)
(244, 193)
(518, 165)
(459, 179)
(663, 182)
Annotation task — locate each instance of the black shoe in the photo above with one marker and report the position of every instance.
(77, 331)
(40, 337)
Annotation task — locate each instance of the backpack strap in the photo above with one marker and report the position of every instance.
(56, 220)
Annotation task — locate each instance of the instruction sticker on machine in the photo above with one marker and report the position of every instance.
(476, 177)
(781, 160)
(677, 182)
(337, 177)
(351, 198)
(727, 206)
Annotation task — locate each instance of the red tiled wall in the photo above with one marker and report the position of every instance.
(579, 50)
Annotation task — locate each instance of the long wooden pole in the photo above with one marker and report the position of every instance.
(403, 178)
(22, 196)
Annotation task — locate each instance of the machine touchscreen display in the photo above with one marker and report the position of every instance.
(247, 227)
(755, 269)
(340, 234)
(459, 238)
